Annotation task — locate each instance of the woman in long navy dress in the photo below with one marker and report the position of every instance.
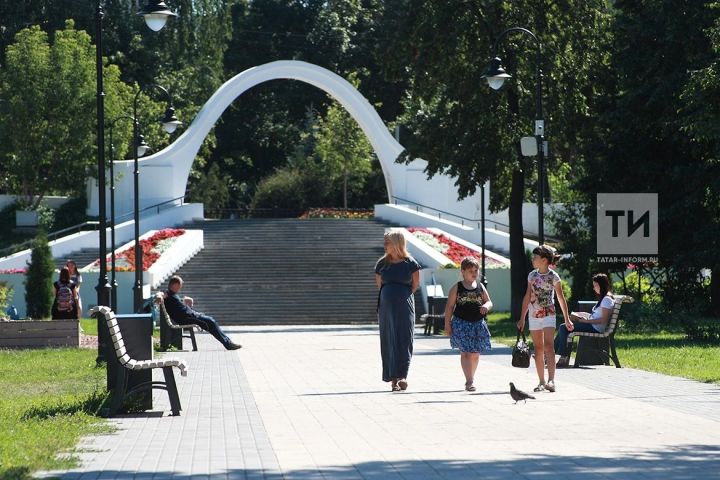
(397, 276)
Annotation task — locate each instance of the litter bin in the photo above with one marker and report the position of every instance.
(137, 330)
(436, 305)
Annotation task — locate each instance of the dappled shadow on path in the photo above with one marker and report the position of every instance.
(671, 462)
(359, 329)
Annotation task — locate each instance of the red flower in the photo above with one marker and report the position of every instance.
(455, 252)
(149, 256)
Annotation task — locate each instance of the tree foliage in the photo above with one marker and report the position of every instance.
(631, 93)
(39, 294)
(343, 150)
(47, 118)
(331, 165)
(463, 128)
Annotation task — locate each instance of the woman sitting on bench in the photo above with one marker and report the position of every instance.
(584, 321)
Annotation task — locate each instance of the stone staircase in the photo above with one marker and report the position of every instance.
(82, 257)
(286, 271)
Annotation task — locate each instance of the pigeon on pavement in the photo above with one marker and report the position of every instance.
(518, 395)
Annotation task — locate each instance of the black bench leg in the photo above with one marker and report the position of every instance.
(613, 352)
(172, 390)
(192, 339)
(118, 395)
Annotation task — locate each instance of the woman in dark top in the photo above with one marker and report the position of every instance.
(397, 276)
(468, 303)
(65, 305)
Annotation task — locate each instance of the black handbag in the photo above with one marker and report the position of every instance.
(521, 352)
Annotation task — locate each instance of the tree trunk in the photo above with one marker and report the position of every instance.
(715, 290)
(518, 260)
(345, 191)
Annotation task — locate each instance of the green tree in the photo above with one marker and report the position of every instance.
(654, 137)
(47, 118)
(260, 132)
(700, 113)
(463, 128)
(38, 279)
(212, 189)
(343, 150)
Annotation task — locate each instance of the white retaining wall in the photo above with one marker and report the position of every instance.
(434, 272)
(124, 232)
(407, 216)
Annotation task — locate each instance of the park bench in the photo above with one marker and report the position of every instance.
(166, 321)
(599, 348)
(434, 320)
(121, 391)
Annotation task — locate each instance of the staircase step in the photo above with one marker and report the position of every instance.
(286, 271)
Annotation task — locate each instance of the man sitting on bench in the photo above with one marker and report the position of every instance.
(182, 314)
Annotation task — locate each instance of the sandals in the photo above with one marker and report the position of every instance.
(402, 383)
(539, 388)
(550, 386)
(469, 387)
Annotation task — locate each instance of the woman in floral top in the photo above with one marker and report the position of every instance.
(539, 301)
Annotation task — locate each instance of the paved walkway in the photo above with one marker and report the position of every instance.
(307, 402)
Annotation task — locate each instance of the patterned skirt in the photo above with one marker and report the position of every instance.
(470, 337)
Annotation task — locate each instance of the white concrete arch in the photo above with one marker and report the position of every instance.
(164, 175)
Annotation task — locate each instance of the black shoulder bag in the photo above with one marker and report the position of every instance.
(521, 352)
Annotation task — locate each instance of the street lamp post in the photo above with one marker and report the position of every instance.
(496, 76)
(142, 148)
(482, 233)
(170, 123)
(102, 288)
(156, 14)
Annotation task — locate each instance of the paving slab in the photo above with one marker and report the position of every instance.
(308, 403)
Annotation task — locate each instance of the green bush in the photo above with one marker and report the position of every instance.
(6, 294)
(567, 291)
(702, 328)
(8, 235)
(71, 213)
(38, 279)
(292, 189)
(641, 317)
(648, 293)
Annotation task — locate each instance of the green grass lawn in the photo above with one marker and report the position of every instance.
(48, 399)
(89, 326)
(663, 352)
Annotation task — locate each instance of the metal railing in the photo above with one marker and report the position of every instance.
(80, 227)
(87, 226)
(242, 213)
(158, 207)
(478, 221)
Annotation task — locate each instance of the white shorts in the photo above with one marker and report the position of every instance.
(543, 322)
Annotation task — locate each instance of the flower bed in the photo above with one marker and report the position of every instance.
(14, 270)
(152, 248)
(358, 214)
(451, 249)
